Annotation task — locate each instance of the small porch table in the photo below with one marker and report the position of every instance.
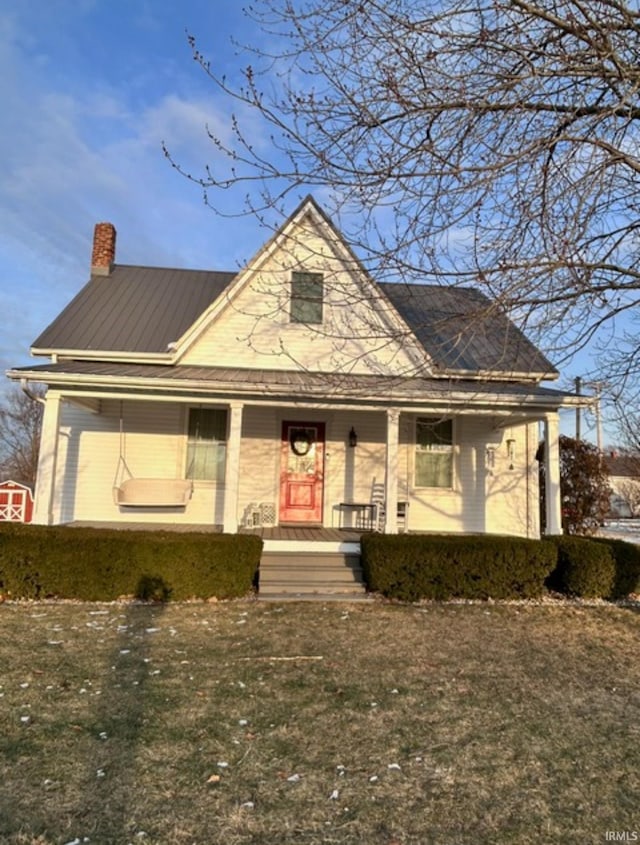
(364, 512)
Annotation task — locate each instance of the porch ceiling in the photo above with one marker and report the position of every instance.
(291, 386)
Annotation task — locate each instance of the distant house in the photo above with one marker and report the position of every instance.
(296, 392)
(624, 479)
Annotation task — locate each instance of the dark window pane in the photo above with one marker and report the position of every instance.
(306, 298)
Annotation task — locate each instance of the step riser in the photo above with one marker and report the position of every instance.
(320, 596)
(311, 577)
(291, 573)
(310, 561)
(322, 572)
(302, 589)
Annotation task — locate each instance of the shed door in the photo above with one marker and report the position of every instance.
(13, 505)
(302, 473)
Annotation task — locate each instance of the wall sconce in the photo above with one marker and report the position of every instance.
(490, 458)
(511, 451)
(353, 438)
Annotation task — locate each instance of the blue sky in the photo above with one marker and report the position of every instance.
(91, 90)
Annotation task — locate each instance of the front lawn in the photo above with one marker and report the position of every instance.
(248, 722)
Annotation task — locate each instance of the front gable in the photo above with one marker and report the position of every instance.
(304, 302)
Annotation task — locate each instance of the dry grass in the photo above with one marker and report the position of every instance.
(435, 724)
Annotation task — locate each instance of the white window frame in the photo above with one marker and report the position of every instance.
(218, 447)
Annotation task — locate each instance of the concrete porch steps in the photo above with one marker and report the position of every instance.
(311, 574)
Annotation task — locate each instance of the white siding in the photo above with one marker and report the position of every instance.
(512, 488)
(254, 330)
(483, 499)
(154, 447)
(259, 457)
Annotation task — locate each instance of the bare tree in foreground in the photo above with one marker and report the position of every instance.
(20, 427)
(492, 143)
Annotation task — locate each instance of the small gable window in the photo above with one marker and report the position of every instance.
(206, 444)
(306, 297)
(434, 452)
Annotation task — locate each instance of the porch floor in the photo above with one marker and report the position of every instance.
(304, 534)
(273, 532)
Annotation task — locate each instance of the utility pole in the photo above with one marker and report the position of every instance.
(597, 387)
(598, 421)
(578, 382)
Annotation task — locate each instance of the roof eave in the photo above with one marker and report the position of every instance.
(498, 375)
(456, 398)
(105, 356)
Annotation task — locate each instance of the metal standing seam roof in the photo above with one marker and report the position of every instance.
(460, 330)
(134, 309)
(144, 309)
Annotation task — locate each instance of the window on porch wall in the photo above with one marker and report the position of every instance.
(434, 453)
(206, 444)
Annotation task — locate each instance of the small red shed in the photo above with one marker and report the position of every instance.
(16, 502)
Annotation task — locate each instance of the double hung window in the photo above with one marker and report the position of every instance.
(306, 297)
(434, 453)
(206, 444)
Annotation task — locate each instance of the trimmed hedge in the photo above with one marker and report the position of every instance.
(410, 567)
(585, 568)
(627, 562)
(95, 564)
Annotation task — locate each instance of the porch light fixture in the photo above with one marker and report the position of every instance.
(353, 438)
(491, 458)
(511, 451)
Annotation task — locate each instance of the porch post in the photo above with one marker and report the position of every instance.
(232, 470)
(391, 472)
(47, 462)
(552, 474)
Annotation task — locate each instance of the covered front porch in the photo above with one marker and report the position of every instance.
(318, 454)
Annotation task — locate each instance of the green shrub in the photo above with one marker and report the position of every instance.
(103, 564)
(627, 563)
(411, 566)
(585, 568)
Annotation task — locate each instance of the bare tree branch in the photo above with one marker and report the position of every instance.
(484, 142)
(20, 427)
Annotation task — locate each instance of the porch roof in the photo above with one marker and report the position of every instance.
(291, 386)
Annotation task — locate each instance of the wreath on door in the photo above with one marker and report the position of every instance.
(301, 441)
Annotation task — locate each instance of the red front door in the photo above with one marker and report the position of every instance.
(302, 473)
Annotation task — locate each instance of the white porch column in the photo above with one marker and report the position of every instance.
(391, 472)
(232, 470)
(553, 503)
(47, 461)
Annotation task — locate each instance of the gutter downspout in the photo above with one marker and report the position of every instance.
(528, 479)
(24, 386)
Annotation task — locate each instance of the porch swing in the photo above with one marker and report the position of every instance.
(132, 492)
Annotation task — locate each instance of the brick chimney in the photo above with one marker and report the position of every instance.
(104, 249)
